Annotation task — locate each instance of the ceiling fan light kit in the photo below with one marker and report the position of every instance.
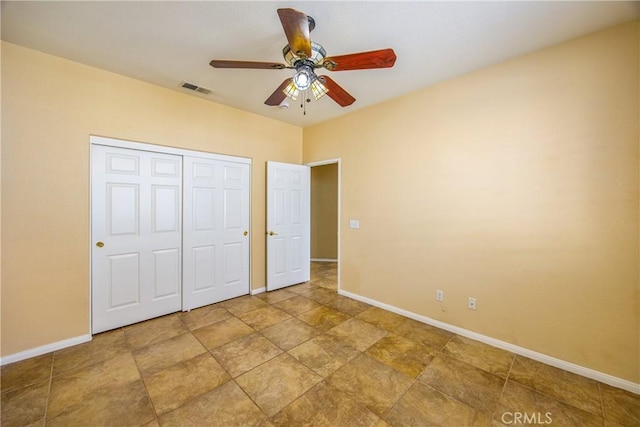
(318, 89)
(304, 76)
(305, 56)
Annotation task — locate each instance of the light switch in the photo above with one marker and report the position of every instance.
(354, 223)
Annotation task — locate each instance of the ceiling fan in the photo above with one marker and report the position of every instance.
(305, 56)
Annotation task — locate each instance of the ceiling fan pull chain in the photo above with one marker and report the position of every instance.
(303, 104)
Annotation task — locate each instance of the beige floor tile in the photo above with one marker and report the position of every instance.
(323, 317)
(570, 388)
(540, 409)
(401, 353)
(30, 371)
(424, 334)
(383, 319)
(290, 333)
(320, 295)
(24, 405)
(324, 354)
(159, 356)
(276, 383)
(226, 406)
(152, 331)
(425, 406)
(264, 317)
(203, 316)
(245, 353)
(102, 347)
(38, 423)
(347, 305)
(465, 383)
(223, 332)
(297, 305)
(123, 405)
(243, 304)
(324, 405)
(480, 355)
(357, 333)
(279, 372)
(181, 382)
(370, 383)
(332, 277)
(326, 283)
(71, 388)
(319, 273)
(276, 296)
(301, 288)
(620, 406)
(323, 274)
(326, 266)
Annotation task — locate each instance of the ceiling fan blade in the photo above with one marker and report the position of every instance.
(336, 92)
(247, 64)
(296, 28)
(383, 58)
(278, 95)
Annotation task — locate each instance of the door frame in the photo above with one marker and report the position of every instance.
(337, 161)
(142, 146)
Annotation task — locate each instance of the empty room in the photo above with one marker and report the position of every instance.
(197, 226)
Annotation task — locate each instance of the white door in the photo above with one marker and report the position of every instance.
(216, 231)
(136, 235)
(288, 224)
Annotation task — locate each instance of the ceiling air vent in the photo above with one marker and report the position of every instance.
(195, 88)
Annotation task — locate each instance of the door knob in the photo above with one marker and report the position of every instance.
(271, 233)
(99, 244)
(245, 233)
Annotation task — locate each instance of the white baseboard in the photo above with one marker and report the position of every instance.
(323, 260)
(48, 348)
(540, 357)
(258, 290)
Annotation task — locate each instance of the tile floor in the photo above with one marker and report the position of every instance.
(299, 356)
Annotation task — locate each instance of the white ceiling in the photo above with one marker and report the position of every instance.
(165, 43)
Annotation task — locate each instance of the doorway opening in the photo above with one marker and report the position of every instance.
(325, 224)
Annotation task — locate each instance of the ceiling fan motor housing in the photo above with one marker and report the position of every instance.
(317, 55)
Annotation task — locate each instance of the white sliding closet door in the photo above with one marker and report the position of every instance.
(136, 235)
(216, 231)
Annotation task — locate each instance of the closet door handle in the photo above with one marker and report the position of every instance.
(245, 233)
(99, 244)
(271, 233)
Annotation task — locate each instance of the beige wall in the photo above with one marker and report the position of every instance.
(324, 211)
(50, 106)
(516, 184)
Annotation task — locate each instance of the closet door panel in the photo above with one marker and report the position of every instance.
(216, 226)
(136, 235)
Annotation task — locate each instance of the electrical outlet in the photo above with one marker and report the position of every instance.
(439, 295)
(472, 304)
